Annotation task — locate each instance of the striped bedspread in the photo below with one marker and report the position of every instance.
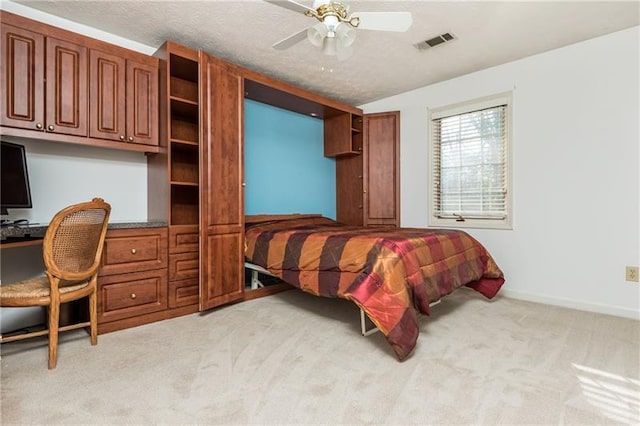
(391, 273)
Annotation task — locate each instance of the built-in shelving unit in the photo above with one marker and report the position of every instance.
(184, 138)
(174, 173)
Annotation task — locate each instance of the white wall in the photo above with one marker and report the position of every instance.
(576, 184)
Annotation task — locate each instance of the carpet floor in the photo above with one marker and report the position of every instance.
(293, 358)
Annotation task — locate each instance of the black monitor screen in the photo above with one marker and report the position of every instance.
(15, 191)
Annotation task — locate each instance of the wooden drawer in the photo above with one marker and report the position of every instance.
(183, 292)
(130, 295)
(183, 266)
(183, 239)
(134, 250)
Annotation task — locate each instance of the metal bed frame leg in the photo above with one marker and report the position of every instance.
(363, 325)
(255, 281)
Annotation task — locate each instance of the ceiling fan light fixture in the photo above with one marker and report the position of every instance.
(317, 34)
(345, 35)
(329, 46)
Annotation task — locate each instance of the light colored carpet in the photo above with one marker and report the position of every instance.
(293, 358)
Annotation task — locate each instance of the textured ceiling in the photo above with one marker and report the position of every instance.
(383, 63)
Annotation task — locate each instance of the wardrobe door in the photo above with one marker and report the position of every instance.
(382, 169)
(222, 192)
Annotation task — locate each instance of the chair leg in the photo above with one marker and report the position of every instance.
(93, 317)
(54, 319)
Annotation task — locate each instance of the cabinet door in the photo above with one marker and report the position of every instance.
(382, 170)
(22, 78)
(222, 196)
(142, 103)
(107, 96)
(349, 187)
(66, 87)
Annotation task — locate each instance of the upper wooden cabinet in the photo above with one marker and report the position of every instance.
(45, 73)
(343, 134)
(118, 82)
(24, 75)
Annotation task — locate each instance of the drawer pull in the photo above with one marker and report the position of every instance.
(133, 251)
(133, 295)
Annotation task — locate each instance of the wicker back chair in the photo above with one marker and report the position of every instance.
(72, 249)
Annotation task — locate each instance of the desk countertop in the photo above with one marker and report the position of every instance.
(37, 230)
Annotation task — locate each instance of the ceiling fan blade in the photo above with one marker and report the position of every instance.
(291, 5)
(286, 43)
(384, 21)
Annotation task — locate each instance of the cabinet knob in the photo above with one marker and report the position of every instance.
(364, 192)
(133, 295)
(359, 176)
(50, 127)
(360, 148)
(360, 207)
(39, 126)
(244, 184)
(130, 138)
(133, 251)
(122, 137)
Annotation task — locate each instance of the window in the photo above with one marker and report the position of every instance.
(470, 164)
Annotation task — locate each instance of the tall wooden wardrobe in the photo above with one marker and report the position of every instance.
(196, 182)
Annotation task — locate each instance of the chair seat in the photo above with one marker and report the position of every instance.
(36, 288)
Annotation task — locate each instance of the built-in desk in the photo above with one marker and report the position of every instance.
(14, 236)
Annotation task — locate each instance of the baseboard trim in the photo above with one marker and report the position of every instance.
(572, 304)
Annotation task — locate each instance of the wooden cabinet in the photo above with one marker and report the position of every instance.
(381, 169)
(123, 99)
(22, 78)
(64, 107)
(66, 88)
(45, 74)
(342, 134)
(222, 207)
(174, 174)
(368, 185)
(132, 280)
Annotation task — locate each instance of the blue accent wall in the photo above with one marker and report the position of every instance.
(285, 169)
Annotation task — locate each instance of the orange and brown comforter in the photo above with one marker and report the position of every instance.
(391, 273)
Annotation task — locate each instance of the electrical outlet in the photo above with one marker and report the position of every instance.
(632, 273)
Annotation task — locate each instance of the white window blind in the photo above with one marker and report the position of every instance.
(470, 164)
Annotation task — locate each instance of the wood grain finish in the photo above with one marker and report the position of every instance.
(183, 266)
(130, 295)
(184, 293)
(131, 250)
(107, 96)
(46, 75)
(66, 88)
(183, 239)
(381, 174)
(222, 206)
(349, 190)
(22, 78)
(142, 103)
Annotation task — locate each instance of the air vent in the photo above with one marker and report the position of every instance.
(435, 41)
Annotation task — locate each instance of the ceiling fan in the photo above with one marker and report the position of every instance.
(335, 31)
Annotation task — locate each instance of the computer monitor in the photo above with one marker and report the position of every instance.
(14, 192)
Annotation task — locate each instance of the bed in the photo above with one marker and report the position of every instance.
(392, 274)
